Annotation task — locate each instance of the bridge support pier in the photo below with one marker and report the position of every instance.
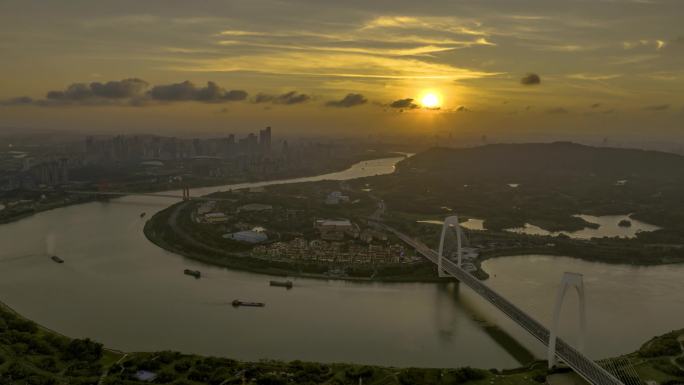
(451, 221)
(575, 280)
(186, 193)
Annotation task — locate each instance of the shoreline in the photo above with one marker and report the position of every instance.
(94, 198)
(290, 269)
(233, 263)
(156, 227)
(655, 359)
(548, 252)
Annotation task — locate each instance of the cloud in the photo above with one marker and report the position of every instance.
(557, 110)
(350, 100)
(174, 92)
(292, 97)
(188, 91)
(82, 92)
(657, 43)
(582, 76)
(657, 107)
(133, 92)
(404, 104)
(235, 95)
(126, 88)
(530, 79)
(19, 101)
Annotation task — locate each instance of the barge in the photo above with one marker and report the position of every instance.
(194, 273)
(287, 284)
(238, 303)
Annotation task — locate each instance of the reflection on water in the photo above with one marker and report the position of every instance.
(470, 223)
(626, 305)
(609, 226)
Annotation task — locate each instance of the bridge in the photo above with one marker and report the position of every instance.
(185, 194)
(585, 367)
(581, 364)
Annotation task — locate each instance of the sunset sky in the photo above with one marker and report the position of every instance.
(497, 67)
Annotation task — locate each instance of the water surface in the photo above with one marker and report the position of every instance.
(120, 289)
(609, 226)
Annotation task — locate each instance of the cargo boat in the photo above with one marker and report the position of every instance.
(57, 259)
(194, 273)
(287, 284)
(237, 303)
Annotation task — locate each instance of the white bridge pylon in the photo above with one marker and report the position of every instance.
(575, 280)
(449, 223)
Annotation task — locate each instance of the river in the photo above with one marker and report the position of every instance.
(118, 288)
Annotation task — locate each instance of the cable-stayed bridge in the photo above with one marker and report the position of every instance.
(574, 358)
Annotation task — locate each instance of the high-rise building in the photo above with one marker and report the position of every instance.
(265, 140)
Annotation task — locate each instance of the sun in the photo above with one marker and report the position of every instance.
(430, 100)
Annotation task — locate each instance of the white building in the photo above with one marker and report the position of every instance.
(335, 198)
(248, 236)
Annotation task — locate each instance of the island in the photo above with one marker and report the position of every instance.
(625, 223)
(316, 230)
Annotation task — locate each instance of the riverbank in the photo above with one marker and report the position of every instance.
(9, 215)
(162, 230)
(36, 355)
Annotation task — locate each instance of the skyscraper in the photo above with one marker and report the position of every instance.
(265, 139)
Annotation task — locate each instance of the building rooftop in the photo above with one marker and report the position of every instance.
(333, 222)
(247, 236)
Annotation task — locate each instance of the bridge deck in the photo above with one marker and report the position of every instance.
(580, 363)
(158, 195)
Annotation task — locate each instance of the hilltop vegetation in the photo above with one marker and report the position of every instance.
(554, 181)
(545, 185)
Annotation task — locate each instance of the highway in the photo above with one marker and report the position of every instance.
(581, 364)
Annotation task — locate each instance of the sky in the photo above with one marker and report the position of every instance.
(503, 68)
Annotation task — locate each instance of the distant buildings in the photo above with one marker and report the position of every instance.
(149, 160)
(30, 173)
(333, 252)
(129, 149)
